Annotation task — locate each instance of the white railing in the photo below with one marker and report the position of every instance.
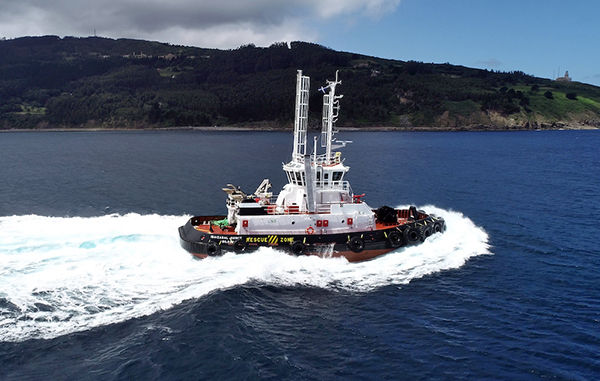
(323, 208)
(335, 185)
(323, 159)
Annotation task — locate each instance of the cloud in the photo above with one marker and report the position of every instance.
(491, 63)
(373, 8)
(212, 23)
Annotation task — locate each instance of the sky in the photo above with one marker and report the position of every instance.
(543, 38)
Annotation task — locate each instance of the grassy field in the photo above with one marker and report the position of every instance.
(30, 110)
(559, 107)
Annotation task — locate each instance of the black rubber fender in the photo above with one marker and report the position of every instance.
(212, 248)
(298, 248)
(412, 235)
(426, 232)
(240, 246)
(438, 227)
(395, 239)
(356, 244)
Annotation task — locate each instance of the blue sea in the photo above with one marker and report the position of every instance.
(94, 284)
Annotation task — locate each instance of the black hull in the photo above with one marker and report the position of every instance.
(354, 246)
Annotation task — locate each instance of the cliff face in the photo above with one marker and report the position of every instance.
(493, 120)
(49, 82)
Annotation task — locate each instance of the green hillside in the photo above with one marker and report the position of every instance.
(52, 82)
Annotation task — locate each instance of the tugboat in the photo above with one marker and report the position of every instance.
(316, 213)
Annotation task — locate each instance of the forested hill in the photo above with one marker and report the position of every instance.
(52, 82)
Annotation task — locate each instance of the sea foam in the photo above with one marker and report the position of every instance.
(63, 275)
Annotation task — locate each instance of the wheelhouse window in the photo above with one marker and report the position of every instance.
(337, 176)
(300, 178)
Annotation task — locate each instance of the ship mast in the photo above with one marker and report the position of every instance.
(318, 178)
(301, 119)
(331, 110)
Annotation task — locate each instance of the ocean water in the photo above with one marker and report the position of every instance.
(94, 284)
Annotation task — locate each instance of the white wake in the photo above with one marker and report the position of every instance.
(63, 275)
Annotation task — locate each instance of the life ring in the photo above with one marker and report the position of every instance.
(395, 239)
(298, 248)
(356, 244)
(310, 230)
(212, 248)
(412, 235)
(240, 246)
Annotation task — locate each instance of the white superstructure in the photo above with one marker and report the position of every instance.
(317, 198)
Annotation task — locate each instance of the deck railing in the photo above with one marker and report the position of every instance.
(295, 209)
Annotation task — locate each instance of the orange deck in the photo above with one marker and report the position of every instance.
(214, 229)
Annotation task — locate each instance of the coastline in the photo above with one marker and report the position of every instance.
(553, 127)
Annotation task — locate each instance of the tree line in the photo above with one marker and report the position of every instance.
(48, 82)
